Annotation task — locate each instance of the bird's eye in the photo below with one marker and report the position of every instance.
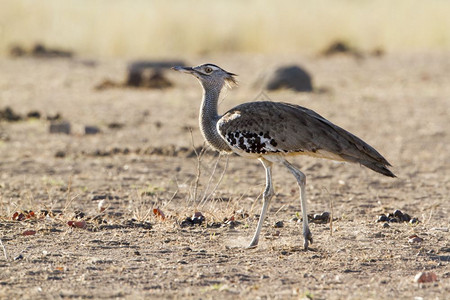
(208, 70)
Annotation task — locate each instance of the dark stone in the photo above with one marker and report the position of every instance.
(79, 214)
(54, 117)
(19, 257)
(34, 114)
(398, 213)
(279, 224)
(414, 221)
(290, 77)
(325, 216)
(150, 74)
(134, 78)
(382, 218)
(60, 154)
(91, 130)
(9, 115)
(337, 47)
(17, 51)
(406, 218)
(187, 222)
(41, 51)
(60, 127)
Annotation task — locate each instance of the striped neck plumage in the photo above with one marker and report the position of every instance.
(209, 116)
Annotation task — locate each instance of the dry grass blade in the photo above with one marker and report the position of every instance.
(4, 250)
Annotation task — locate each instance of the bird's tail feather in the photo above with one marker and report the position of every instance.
(378, 167)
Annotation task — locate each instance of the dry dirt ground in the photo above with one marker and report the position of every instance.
(399, 103)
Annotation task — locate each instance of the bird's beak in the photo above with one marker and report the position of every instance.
(187, 70)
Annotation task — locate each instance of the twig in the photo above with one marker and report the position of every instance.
(219, 181)
(282, 206)
(210, 180)
(198, 155)
(4, 250)
(331, 215)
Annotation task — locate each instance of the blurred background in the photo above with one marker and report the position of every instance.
(159, 28)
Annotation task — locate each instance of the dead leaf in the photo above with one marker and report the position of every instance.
(157, 212)
(425, 277)
(415, 239)
(77, 224)
(29, 232)
(18, 216)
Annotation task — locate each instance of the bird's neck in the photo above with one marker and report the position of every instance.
(209, 116)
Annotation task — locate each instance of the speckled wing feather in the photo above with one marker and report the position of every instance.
(263, 128)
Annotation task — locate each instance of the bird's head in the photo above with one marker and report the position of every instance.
(210, 75)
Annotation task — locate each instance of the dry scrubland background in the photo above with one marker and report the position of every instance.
(398, 101)
(163, 28)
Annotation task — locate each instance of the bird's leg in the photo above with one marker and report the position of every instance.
(267, 196)
(301, 180)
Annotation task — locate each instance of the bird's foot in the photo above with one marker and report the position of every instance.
(307, 238)
(253, 244)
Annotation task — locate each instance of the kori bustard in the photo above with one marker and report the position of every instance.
(271, 132)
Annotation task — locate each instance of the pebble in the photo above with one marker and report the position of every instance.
(382, 218)
(19, 257)
(60, 154)
(398, 213)
(60, 127)
(294, 219)
(414, 221)
(197, 218)
(279, 224)
(320, 218)
(396, 217)
(91, 130)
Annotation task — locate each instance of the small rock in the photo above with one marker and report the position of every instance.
(325, 216)
(60, 154)
(386, 225)
(60, 127)
(290, 77)
(398, 213)
(34, 114)
(382, 218)
(198, 218)
(406, 218)
(414, 221)
(91, 130)
(19, 257)
(9, 115)
(79, 214)
(279, 224)
(393, 220)
(115, 125)
(187, 222)
(320, 218)
(54, 117)
(102, 205)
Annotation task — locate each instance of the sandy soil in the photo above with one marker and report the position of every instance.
(397, 103)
